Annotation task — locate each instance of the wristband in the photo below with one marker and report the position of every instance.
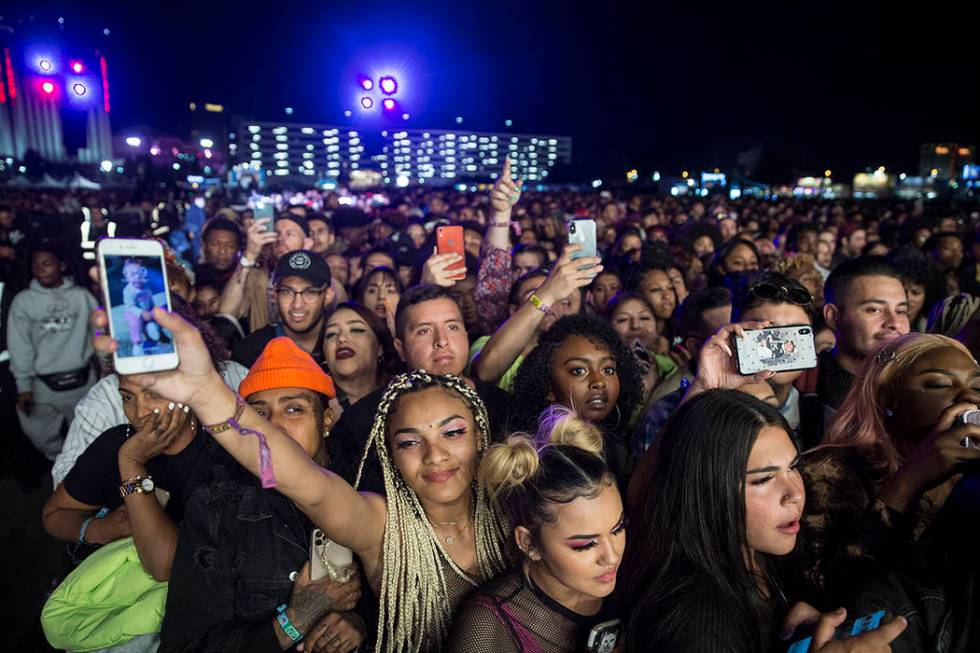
(246, 262)
(287, 626)
(266, 474)
(537, 303)
(103, 511)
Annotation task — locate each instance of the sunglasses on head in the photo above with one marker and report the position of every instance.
(778, 292)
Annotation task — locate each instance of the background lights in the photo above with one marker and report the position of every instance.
(388, 84)
(79, 88)
(367, 102)
(47, 87)
(389, 104)
(44, 65)
(134, 141)
(77, 67)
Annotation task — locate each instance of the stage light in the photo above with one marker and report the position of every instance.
(388, 84)
(134, 141)
(508, 123)
(389, 104)
(79, 89)
(367, 102)
(289, 111)
(47, 87)
(348, 113)
(44, 65)
(207, 143)
(106, 166)
(365, 82)
(405, 116)
(459, 120)
(77, 67)
(155, 150)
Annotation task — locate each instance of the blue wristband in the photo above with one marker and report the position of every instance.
(103, 511)
(287, 626)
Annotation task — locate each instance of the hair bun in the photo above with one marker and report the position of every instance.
(508, 465)
(559, 425)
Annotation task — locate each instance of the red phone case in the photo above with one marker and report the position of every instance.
(449, 240)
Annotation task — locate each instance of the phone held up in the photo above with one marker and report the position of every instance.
(603, 637)
(776, 348)
(449, 240)
(134, 282)
(582, 232)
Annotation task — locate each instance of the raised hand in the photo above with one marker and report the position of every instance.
(717, 368)
(436, 269)
(567, 275)
(506, 192)
(257, 237)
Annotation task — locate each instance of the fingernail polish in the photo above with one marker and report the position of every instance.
(156, 411)
(187, 409)
(170, 405)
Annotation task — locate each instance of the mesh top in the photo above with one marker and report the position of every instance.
(509, 614)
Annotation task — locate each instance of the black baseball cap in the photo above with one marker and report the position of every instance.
(304, 264)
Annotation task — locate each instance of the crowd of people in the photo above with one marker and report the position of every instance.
(525, 448)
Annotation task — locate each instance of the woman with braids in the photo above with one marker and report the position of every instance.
(568, 538)
(427, 543)
(582, 364)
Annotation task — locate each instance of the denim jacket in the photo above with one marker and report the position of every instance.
(238, 549)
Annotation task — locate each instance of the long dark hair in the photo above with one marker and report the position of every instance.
(691, 536)
(390, 364)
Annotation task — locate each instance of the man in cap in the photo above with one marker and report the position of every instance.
(301, 282)
(248, 294)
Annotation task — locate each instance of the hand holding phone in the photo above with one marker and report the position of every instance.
(567, 275)
(777, 348)
(134, 282)
(864, 634)
(582, 233)
(327, 558)
(449, 240)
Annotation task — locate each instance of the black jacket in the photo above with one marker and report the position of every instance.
(238, 546)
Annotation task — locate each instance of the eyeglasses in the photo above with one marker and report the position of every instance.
(309, 294)
(778, 292)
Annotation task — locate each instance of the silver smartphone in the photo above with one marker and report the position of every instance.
(778, 348)
(582, 232)
(134, 282)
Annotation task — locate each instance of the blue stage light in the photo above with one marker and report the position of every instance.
(388, 84)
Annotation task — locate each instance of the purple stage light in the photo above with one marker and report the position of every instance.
(367, 102)
(365, 82)
(77, 67)
(48, 88)
(388, 84)
(79, 88)
(44, 65)
(389, 104)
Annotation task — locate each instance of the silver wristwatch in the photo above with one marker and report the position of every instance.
(137, 485)
(245, 262)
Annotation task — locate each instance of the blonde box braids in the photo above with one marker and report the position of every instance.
(414, 608)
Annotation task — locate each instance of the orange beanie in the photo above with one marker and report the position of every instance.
(284, 365)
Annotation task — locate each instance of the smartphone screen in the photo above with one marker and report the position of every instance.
(779, 349)
(136, 283)
(582, 232)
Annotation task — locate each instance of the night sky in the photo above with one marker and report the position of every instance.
(644, 84)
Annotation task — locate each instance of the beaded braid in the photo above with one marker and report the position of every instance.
(414, 606)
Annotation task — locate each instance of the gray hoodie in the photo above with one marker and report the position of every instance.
(48, 331)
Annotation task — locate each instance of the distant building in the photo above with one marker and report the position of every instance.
(324, 152)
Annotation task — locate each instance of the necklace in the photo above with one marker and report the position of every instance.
(449, 538)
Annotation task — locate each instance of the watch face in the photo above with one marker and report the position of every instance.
(147, 484)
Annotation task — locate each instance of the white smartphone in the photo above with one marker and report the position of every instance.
(329, 558)
(134, 281)
(778, 348)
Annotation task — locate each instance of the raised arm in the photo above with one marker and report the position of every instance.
(349, 518)
(493, 277)
(233, 293)
(507, 343)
